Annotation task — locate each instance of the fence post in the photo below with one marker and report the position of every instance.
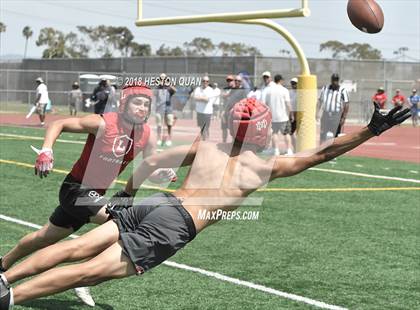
(7, 87)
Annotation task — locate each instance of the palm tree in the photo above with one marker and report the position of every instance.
(27, 33)
(2, 29)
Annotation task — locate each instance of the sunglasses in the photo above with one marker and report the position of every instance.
(229, 80)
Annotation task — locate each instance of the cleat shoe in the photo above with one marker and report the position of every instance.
(84, 295)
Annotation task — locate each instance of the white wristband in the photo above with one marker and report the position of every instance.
(44, 149)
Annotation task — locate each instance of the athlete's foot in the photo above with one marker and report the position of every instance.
(276, 152)
(159, 142)
(84, 295)
(289, 152)
(168, 142)
(6, 294)
(42, 124)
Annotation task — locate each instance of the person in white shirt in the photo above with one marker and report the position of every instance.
(41, 100)
(204, 106)
(255, 93)
(278, 100)
(215, 99)
(266, 76)
(293, 104)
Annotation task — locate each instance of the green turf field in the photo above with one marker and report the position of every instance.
(356, 249)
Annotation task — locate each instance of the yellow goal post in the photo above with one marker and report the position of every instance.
(307, 83)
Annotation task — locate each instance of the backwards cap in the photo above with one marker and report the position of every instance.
(133, 90)
(250, 122)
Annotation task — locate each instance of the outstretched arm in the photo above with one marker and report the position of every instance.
(175, 157)
(288, 166)
(87, 124)
(44, 161)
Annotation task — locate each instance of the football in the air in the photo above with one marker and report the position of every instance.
(365, 15)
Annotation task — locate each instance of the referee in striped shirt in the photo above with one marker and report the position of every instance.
(334, 103)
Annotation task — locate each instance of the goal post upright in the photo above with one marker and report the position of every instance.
(307, 83)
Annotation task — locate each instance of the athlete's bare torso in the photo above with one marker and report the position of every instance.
(220, 177)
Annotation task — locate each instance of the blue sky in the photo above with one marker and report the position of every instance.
(328, 21)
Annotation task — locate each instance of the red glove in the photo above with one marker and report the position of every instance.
(44, 162)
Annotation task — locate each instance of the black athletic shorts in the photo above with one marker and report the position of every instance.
(77, 204)
(154, 230)
(203, 120)
(283, 127)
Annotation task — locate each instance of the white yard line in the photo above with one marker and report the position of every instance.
(365, 175)
(39, 138)
(215, 275)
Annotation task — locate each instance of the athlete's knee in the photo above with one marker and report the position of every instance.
(35, 240)
(93, 273)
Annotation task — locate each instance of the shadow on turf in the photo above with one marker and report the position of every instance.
(54, 304)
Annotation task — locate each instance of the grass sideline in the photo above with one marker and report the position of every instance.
(356, 250)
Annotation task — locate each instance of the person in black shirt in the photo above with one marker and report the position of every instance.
(100, 96)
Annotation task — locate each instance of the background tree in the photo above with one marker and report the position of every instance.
(2, 29)
(199, 47)
(60, 45)
(351, 51)
(168, 51)
(237, 49)
(337, 48)
(27, 33)
(140, 49)
(363, 51)
(109, 40)
(224, 48)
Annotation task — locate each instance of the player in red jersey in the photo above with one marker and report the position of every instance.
(114, 140)
(398, 99)
(380, 97)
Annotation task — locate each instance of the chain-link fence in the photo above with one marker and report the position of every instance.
(17, 80)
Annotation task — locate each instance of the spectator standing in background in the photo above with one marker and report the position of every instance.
(293, 112)
(164, 109)
(216, 100)
(41, 100)
(398, 99)
(278, 100)
(380, 97)
(204, 106)
(100, 96)
(267, 81)
(75, 99)
(255, 93)
(414, 100)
